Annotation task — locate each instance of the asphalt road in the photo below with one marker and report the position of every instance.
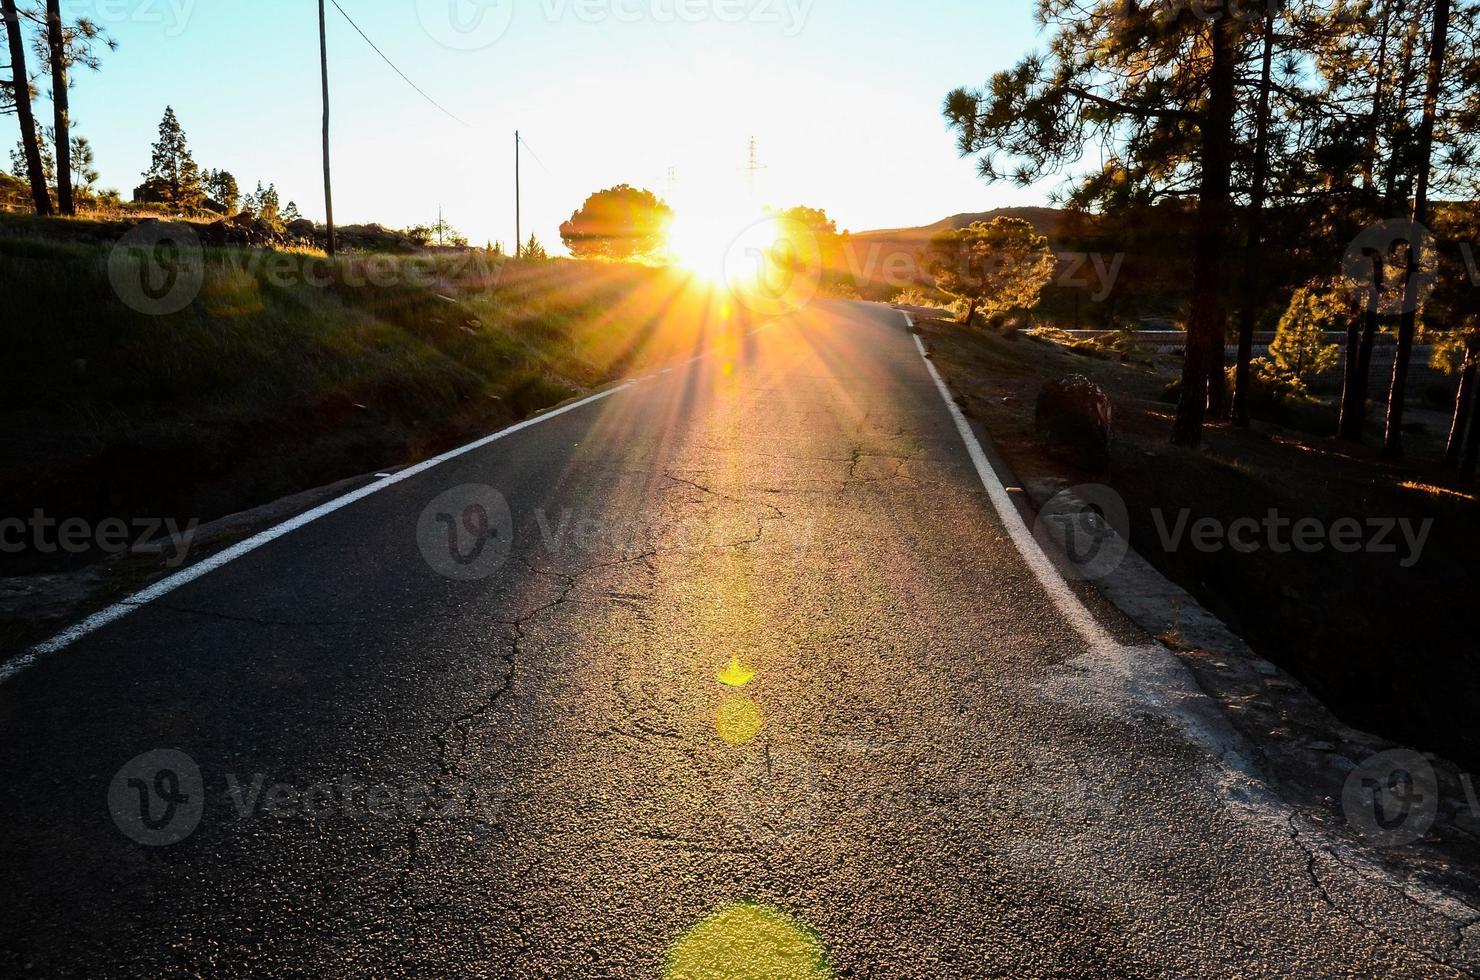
(525, 761)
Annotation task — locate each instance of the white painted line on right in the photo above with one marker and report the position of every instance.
(1070, 606)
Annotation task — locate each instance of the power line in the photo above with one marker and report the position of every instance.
(536, 156)
(398, 71)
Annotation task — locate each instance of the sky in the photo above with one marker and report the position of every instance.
(841, 96)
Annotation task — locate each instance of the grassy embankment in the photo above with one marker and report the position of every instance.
(288, 372)
(1389, 648)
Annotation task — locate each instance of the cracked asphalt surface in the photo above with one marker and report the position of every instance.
(537, 773)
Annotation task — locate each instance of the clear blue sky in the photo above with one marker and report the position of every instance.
(843, 97)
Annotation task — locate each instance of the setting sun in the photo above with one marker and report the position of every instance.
(724, 245)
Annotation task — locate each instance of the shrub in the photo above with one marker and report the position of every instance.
(1300, 351)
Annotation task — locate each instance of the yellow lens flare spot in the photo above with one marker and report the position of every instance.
(736, 675)
(738, 720)
(748, 941)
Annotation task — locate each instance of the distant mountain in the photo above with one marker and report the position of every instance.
(1048, 221)
(883, 262)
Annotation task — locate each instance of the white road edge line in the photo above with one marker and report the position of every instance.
(20, 664)
(1070, 606)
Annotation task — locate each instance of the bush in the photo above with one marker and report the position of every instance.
(1300, 352)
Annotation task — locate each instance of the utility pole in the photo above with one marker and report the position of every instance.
(518, 203)
(753, 168)
(328, 184)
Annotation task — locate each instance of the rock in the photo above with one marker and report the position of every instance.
(242, 230)
(302, 228)
(1076, 415)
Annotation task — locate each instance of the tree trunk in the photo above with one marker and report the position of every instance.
(1361, 337)
(39, 194)
(57, 45)
(1472, 442)
(1254, 252)
(1359, 345)
(1393, 445)
(971, 313)
(1205, 318)
(1454, 451)
(1218, 372)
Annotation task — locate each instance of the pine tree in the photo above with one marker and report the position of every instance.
(1156, 85)
(268, 205)
(173, 171)
(67, 45)
(84, 164)
(20, 94)
(222, 187)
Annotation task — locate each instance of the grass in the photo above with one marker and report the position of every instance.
(289, 371)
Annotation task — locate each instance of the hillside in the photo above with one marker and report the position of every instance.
(1048, 221)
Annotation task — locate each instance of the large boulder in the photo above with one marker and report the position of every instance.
(1075, 415)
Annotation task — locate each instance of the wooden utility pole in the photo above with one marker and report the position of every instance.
(328, 183)
(518, 203)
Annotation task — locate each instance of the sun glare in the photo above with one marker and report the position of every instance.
(722, 245)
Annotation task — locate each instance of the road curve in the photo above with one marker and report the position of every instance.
(749, 670)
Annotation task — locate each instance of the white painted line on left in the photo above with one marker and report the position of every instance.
(18, 665)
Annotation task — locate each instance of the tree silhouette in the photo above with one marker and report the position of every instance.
(222, 187)
(622, 222)
(173, 175)
(1155, 84)
(63, 47)
(20, 96)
